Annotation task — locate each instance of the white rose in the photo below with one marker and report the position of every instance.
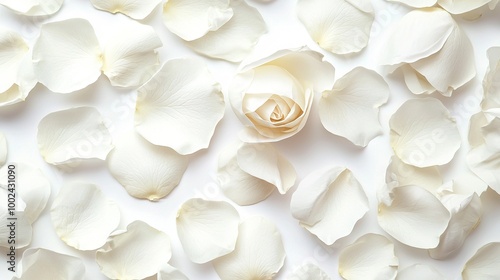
(272, 96)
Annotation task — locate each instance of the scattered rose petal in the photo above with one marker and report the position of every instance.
(83, 217)
(38, 263)
(136, 9)
(329, 202)
(249, 173)
(181, 99)
(370, 257)
(338, 26)
(73, 134)
(272, 96)
(485, 264)
(350, 109)
(418, 272)
(143, 169)
(413, 216)
(424, 139)
(169, 272)
(491, 87)
(308, 271)
(33, 7)
(259, 252)
(139, 252)
(417, 3)
(403, 174)
(207, 229)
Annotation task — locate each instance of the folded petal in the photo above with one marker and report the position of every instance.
(423, 133)
(259, 252)
(73, 134)
(207, 229)
(406, 175)
(191, 19)
(169, 272)
(64, 60)
(420, 271)
(143, 169)
(234, 40)
(130, 57)
(33, 7)
(415, 82)
(181, 99)
(136, 9)
(308, 271)
(329, 202)
(124, 255)
(3, 149)
(370, 257)
(414, 217)
(350, 109)
(485, 264)
(83, 217)
(25, 82)
(461, 6)
(13, 49)
(338, 26)
(43, 264)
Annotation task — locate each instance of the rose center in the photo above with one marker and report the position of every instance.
(277, 115)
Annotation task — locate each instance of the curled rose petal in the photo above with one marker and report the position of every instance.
(136, 9)
(485, 264)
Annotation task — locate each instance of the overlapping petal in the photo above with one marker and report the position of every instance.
(308, 271)
(350, 109)
(485, 264)
(207, 229)
(169, 272)
(249, 173)
(83, 217)
(73, 134)
(139, 252)
(181, 99)
(136, 9)
(370, 257)
(33, 7)
(143, 169)
(403, 174)
(423, 133)
(329, 202)
(259, 252)
(338, 26)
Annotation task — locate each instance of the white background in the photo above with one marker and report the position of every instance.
(309, 150)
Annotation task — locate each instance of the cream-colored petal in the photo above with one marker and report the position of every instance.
(308, 271)
(13, 49)
(3, 149)
(329, 202)
(370, 257)
(491, 87)
(414, 217)
(420, 271)
(415, 82)
(259, 252)
(484, 161)
(462, 6)
(169, 272)
(476, 124)
(181, 99)
(25, 82)
(235, 39)
(423, 133)
(130, 57)
(139, 252)
(136, 9)
(485, 264)
(73, 134)
(143, 169)
(83, 217)
(64, 60)
(43, 264)
(33, 7)
(416, 3)
(351, 108)
(338, 26)
(193, 19)
(207, 229)
(419, 34)
(406, 175)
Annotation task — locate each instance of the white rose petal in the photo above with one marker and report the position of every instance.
(13, 49)
(417, 3)
(491, 87)
(83, 217)
(191, 20)
(338, 26)
(73, 134)
(484, 161)
(65, 60)
(139, 252)
(423, 133)
(413, 216)
(22, 230)
(406, 175)
(418, 272)
(308, 271)
(43, 264)
(169, 272)
(33, 7)
(143, 169)
(329, 202)
(259, 252)
(136, 9)
(350, 109)
(3, 149)
(182, 99)
(462, 7)
(476, 124)
(207, 229)
(370, 257)
(485, 264)
(234, 40)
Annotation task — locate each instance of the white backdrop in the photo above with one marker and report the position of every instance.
(309, 150)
